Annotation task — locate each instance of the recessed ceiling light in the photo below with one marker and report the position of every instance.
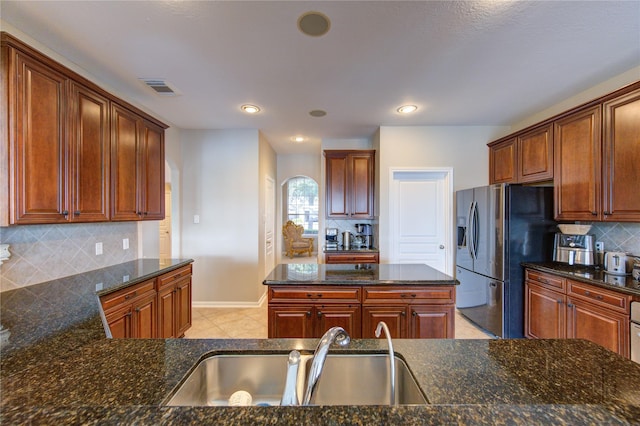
(317, 113)
(314, 24)
(407, 109)
(250, 109)
(298, 139)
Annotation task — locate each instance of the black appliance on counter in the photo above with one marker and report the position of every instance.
(499, 227)
(331, 239)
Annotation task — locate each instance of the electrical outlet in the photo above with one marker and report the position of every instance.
(98, 249)
(599, 246)
(125, 244)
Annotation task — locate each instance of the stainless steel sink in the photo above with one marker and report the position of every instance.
(347, 379)
(363, 379)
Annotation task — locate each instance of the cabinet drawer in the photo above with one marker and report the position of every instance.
(126, 295)
(173, 276)
(546, 280)
(352, 258)
(305, 294)
(435, 295)
(599, 296)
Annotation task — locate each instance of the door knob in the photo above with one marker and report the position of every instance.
(441, 246)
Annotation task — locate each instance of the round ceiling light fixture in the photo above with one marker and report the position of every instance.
(250, 109)
(407, 109)
(314, 24)
(298, 139)
(317, 113)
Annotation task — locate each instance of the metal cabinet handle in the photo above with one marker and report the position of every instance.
(319, 314)
(404, 314)
(76, 213)
(64, 213)
(308, 313)
(414, 313)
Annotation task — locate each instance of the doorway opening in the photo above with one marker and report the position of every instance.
(165, 225)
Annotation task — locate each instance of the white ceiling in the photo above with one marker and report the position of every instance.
(462, 63)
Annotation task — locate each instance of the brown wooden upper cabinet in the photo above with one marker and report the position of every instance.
(137, 164)
(58, 143)
(350, 184)
(597, 174)
(621, 159)
(577, 165)
(527, 157)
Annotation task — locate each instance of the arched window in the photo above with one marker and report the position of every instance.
(301, 203)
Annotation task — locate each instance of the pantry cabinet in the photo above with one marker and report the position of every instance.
(350, 184)
(66, 142)
(557, 307)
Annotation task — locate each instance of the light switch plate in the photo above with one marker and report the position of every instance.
(125, 244)
(599, 246)
(196, 218)
(98, 249)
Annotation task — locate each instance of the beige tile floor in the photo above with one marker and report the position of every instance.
(251, 323)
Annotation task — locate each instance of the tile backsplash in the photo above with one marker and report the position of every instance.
(42, 253)
(618, 236)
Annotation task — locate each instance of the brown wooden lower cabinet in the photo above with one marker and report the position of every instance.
(556, 307)
(159, 307)
(132, 312)
(409, 312)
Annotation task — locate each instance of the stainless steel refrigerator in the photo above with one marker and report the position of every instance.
(498, 228)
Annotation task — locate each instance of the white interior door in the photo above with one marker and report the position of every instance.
(269, 226)
(420, 212)
(165, 225)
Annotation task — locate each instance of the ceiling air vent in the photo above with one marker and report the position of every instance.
(161, 87)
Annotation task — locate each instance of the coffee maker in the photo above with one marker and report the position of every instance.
(365, 233)
(331, 236)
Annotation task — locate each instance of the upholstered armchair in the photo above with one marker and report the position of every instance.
(293, 240)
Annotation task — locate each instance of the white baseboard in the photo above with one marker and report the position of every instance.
(257, 304)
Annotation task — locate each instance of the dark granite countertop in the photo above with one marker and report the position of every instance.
(357, 274)
(69, 373)
(590, 275)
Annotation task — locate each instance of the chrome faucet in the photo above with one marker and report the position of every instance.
(334, 334)
(392, 364)
(290, 394)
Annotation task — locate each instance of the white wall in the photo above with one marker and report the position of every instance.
(462, 148)
(220, 178)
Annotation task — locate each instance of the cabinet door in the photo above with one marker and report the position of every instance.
(545, 312)
(183, 306)
(361, 185)
(577, 166)
(145, 317)
(119, 322)
(38, 192)
(125, 134)
(336, 190)
(394, 316)
(502, 162)
(348, 317)
(88, 156)
(535, 155)
(166, 312)
(621, 170)
(152, 174)
(291, 321)
(335, 258)
(431, 322)
(599, 325)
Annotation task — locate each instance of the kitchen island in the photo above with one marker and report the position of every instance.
(415, 300)
(59, 368)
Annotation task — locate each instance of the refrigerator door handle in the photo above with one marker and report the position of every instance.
(474, 230)
(469, 230)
